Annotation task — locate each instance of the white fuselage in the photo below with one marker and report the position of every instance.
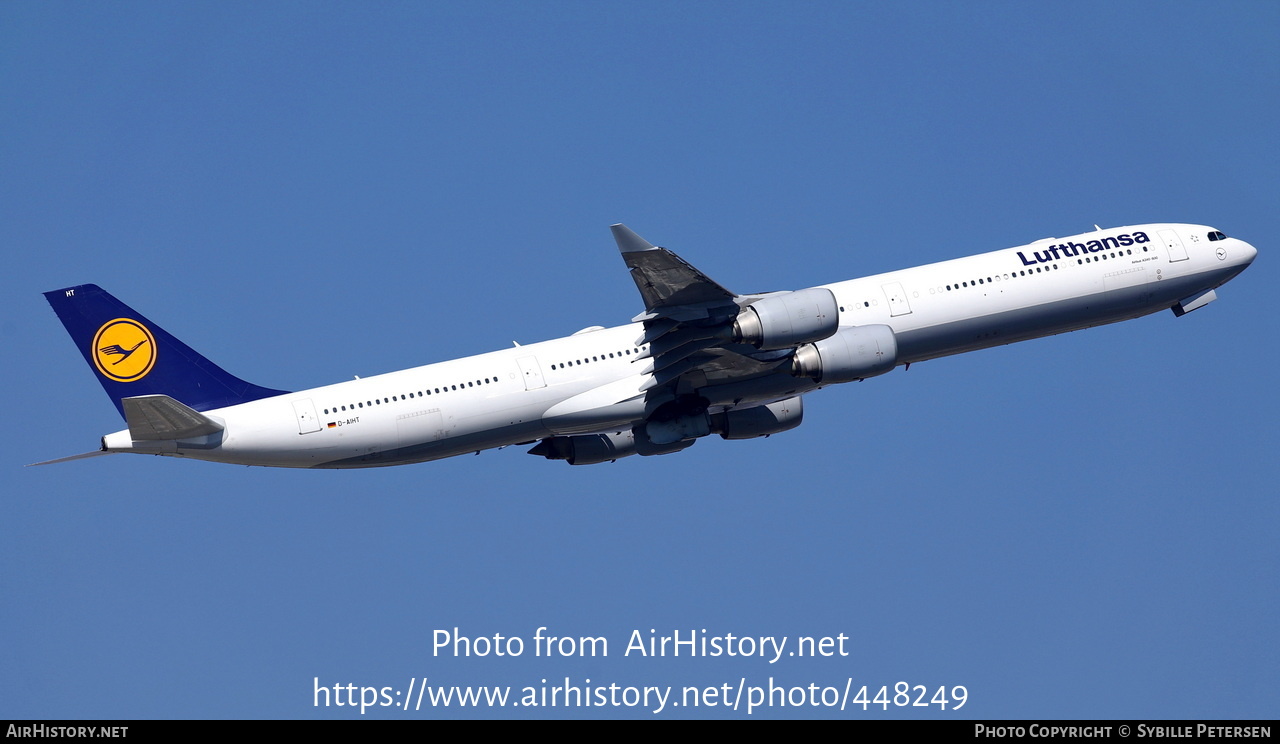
(565, 386)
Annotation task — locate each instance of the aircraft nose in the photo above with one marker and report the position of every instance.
(1250, 252)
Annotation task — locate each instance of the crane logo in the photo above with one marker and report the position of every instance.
(124, 350)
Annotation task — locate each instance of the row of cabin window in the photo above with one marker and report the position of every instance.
(1037, 270)
(1103, 256)
(438, 391)
(599, 358)
(447, 388)
(1015, 274)
(1086, 259)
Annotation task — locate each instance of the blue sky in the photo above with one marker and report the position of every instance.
(1081, 526)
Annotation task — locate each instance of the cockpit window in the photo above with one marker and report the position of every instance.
(1215, 235)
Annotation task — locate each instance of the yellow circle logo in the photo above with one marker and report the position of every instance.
(124, 350)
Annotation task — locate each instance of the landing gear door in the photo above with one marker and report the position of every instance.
(1173, 244)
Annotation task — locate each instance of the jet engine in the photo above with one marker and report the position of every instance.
(587, 449)
(759, 421)
(854, 353)
(740, 423)
(590, 449)
(782, 321)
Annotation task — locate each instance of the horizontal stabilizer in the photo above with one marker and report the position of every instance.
(159, 417)
(82, 456)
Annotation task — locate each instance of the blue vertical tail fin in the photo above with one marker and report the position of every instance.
(132, 356)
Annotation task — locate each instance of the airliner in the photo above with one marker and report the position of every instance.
(700, 359)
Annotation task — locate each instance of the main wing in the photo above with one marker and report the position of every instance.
(712, 349)
(731, 350)
(693, 325)
(721, 362)
(670, 287)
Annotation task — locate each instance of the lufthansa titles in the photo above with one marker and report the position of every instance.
(1069, 250)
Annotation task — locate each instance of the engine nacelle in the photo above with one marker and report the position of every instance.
(591, 449)
(647, 448)
(670, 431)
(854, 353)
(587, 449)
(783, 321)
(759, 421)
